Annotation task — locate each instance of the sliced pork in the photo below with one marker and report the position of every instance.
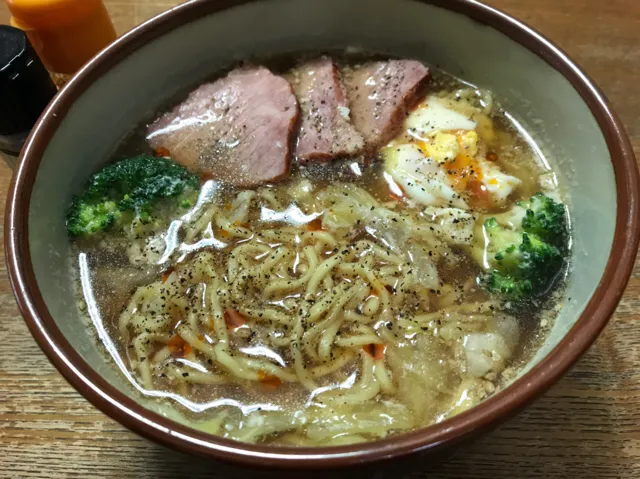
(238, 129)
(380, 95)
(326, 131)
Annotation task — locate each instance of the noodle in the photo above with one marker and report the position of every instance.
(336, 291)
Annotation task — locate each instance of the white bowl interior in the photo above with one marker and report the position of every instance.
(538, 96)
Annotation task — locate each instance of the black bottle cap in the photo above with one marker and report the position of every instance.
(25, 85)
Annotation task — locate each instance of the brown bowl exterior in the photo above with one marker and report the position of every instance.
(436, 440)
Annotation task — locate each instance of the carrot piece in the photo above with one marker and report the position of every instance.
(224, 233)
(161, 152)
(233, 319)
(397, 196)
(314, 225)
(178, 347)
(269, 381)
(206, 176)
(167, 273)
(375, 350)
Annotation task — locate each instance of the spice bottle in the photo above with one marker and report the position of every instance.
(64, 33)
(25, 90)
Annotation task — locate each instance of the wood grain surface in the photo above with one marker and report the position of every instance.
(587, 426)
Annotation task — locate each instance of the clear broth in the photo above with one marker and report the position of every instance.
(276, 411)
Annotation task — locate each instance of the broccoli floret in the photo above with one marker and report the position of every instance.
(85, 218)
(523, 260)
(545, 218)
(508, 286)
(132, 186)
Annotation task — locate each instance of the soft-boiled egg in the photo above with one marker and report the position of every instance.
(432, 115)
(498, 184)
(420, 176)
(437, 160)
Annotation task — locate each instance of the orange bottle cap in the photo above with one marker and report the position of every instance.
(65, 33)
(35, 14)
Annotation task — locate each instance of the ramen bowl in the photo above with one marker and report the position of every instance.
(548, 95)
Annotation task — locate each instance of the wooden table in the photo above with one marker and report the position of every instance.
(587, 426)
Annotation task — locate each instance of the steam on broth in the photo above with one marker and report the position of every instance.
(341, 250)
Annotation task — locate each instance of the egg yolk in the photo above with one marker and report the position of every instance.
(464, 169)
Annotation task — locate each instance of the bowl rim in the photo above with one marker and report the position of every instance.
(488, 413)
